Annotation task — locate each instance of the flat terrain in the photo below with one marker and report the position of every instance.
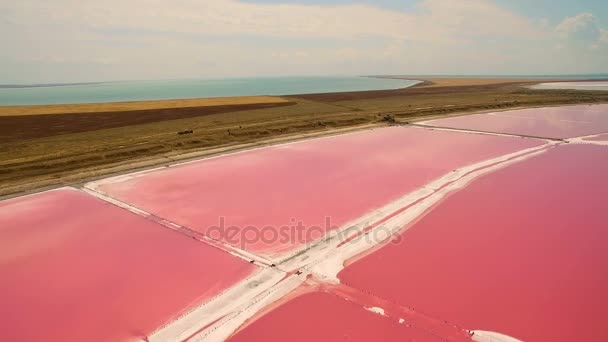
(19, 127)
(137, 105)
(48, 146)
(275, 243)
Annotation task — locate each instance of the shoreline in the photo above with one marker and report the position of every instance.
(162, 162)
(101, 93)
(423, 82)
(426, 81)
(47, 162)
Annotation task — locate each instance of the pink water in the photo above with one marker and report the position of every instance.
(74, 268)
(327, 316)
(551, 122)
(340, 178)
(521, 251)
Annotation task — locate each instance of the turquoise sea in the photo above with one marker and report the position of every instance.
(197, 88)
(184, 89)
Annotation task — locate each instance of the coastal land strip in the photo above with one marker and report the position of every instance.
(43, 147)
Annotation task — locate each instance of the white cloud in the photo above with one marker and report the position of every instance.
(437, 19)
(133, 39)
(583, 29)
(576, 23)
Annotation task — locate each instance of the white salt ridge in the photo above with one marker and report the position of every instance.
(228, 325)
(226, 304)
(581, 140)
(242, 254)
(489, 336)
(376, 310)
(332, 262)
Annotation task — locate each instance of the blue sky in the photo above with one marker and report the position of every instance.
(87, 40)
(556, 10)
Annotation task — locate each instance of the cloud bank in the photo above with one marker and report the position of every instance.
(70, 40)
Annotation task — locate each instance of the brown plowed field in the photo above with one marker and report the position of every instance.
(19, 127)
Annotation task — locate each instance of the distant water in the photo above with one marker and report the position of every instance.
(184, 89)
(573, 85)
(574, 77)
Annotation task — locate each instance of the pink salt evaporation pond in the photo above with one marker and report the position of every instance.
(550, 122)
(521, 251)
(326, 315)
(74, 268)
(258, 196)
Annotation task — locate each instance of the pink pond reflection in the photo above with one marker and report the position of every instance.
(326, 316)
(74, 268)
(521, 251)
(551, 122)
(340, 178)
